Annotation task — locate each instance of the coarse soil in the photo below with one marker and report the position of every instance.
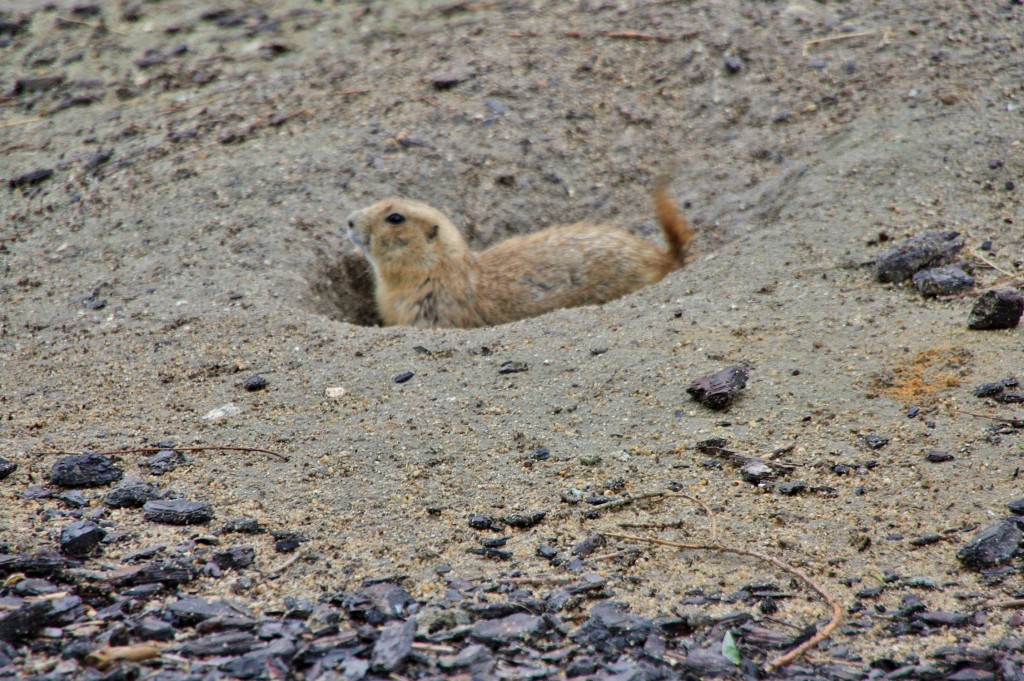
(140, 288)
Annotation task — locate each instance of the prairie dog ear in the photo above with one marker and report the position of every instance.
(432, 232)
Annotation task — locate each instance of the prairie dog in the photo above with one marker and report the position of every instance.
(426, 275)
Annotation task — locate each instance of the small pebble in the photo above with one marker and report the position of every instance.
(255, 383)
(404, 376)
(524, 520)
(133, 493)
(875, 441)
(511, 367)
(999, 308)
(718, 390)
(939, 457)
(792, 488)
(942, 281)
(177, 512)
(6, 467)
(930, 249)
(84, 470)
(733, 64)
(80, 538)
(992, 545)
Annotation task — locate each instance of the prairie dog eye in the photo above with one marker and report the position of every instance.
(395, 218)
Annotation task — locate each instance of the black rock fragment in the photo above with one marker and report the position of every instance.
(191, 610)
(942, 281)
(449, 79)
(1016, 506)
(999, 308)
(520, 626)
(611, 629)
(524, 520)
(792, 488)
(236, 557)
(6, 467)
(132, 493)
(756, 471)
(511, 367)
(41, 564)
(938, 457)
(177, 512)
(157, 573)
(24, 621)
(875, 441)
(1010, 397)
(493, 553)
(589, 545)
(244, 526)
(80, 538)
(478, 521)
(718, 390)
(164, 461)
(30, 178)
(286, 541)
(393, 646)
(923, 251)
(404, 376)
(255, 383)
(942, 619)
(150, 628)
(221, 643)
(379, 603)
(733, 64)
(476, 658)
(992, 545)
(989, 389)
(84, 470)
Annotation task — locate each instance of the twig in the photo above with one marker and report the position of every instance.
(1016, 423)
(991, 264)
(629, 35)
(614, 555)
(782, 660)
(21, 121)
(542, 579)
(846, 36)
(594, 511)
(147, 450)
(285, 565)
(433, 648)
(1012, 603)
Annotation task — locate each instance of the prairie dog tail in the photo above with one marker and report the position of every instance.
(678, 232)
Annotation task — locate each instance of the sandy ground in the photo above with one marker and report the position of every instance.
(802, 136)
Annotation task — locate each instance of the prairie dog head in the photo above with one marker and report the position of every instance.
(396, 234)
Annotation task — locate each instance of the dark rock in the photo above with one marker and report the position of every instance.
(24, 622)
(938, 457)
(485, 522)
(36, 492)
(35, 176)
(190, 611)
(379, 603)
(792, 488)
(875, 441)
(286, 541)
(177, 512)
(6, 467)
(34, 586)
(756, 471)
(404, 376)
(393, 646)
(518, 627)
(942, 619)
(589, 545)
(942, 281)
(718, 390)
(476, 658)
(549, 552)
(237, 557)
(269, 661)
(707, 663)
(1010, 397)
(74, 498)
(221, 643)
(132, 493)
(41, 564)
(150, 628)
(511, 367)
(84, 470)
(930, 249)
(611, 629)
(164, 461)
(989, 389)
(999, 308)
(992, 545)
(524, 520)
(449, 79)
(1017, 506)
(255, 383)
(81, 538)
(244, 526)
(733, 64)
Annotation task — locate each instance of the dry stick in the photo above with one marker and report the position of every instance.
(22, 121)
(991, 264)
(1007, 419)
(146, 450)
(1012, 603)
(285, 565)
(845, 36)
(783, 660)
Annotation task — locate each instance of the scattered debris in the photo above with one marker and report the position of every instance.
(927, 250)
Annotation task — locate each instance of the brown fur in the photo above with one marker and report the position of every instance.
(428, 277)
